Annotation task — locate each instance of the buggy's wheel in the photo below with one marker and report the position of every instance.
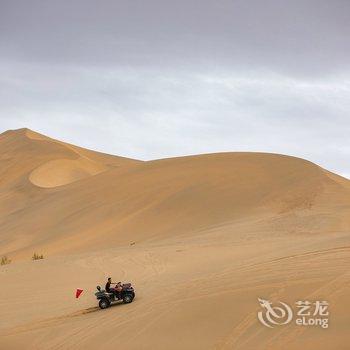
(104, 303)
(127, 298)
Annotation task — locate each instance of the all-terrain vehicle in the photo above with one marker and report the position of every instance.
(126, 294)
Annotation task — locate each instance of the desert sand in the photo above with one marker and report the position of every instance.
(200, 237)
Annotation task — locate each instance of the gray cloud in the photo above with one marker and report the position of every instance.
(309, 36)
(159, 78)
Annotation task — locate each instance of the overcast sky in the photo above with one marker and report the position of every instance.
(156, 78)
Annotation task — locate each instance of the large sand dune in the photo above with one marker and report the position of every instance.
(201, 237)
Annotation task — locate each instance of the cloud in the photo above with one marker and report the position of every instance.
(174, 78)
(144, 114)
(299, 37)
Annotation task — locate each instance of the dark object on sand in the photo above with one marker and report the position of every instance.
(126, 294)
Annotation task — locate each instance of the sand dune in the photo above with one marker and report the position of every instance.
(64, 171)
(24, 151)
(202, 237)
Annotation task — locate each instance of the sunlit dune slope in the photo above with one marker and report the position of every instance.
(48, 163)
(27, 157)
(117, 201)
(64, 171)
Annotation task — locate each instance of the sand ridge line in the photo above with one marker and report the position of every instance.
(331, 289)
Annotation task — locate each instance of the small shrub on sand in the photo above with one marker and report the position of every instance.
(5, 260)
(37, 256)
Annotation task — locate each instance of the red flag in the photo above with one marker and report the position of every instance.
(78, 292)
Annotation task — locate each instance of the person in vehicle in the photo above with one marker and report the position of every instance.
(108, 285)
(119, 287)
(116, 290)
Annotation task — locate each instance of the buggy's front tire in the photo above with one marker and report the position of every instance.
(128, 298)
(104, 303)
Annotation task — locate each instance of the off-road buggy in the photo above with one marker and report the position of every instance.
(126, 294)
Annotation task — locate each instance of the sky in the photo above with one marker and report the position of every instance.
(151, 79)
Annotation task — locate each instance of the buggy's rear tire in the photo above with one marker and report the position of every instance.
(104, 303)
(128, 298)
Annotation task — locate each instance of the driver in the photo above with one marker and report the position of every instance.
(108, 285)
